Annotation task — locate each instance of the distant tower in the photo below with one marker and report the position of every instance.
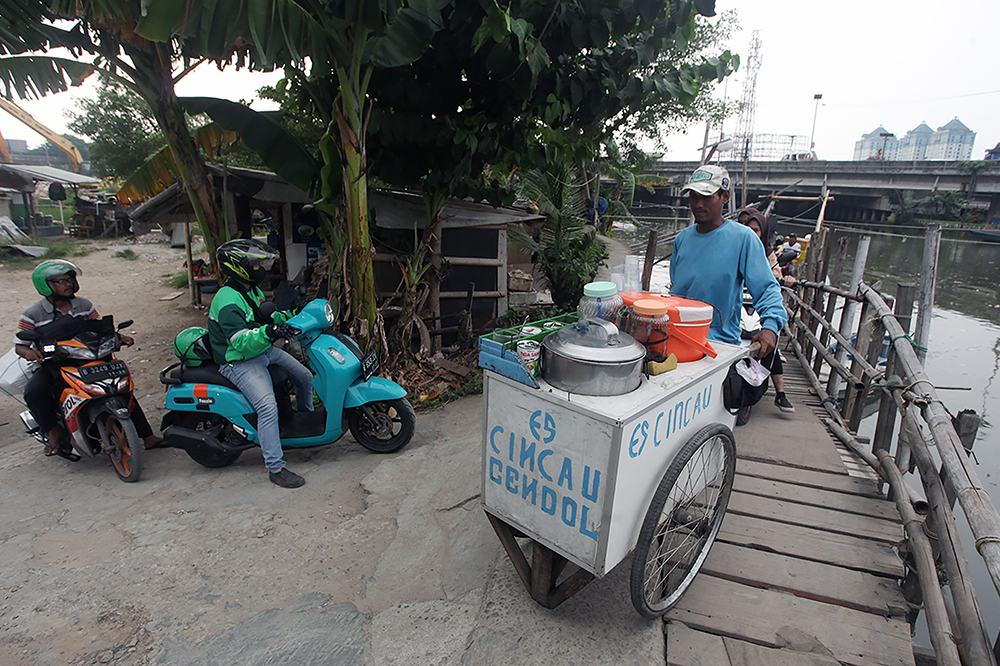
(748, 101)
(748, 108)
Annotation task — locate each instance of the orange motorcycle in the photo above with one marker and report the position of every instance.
(96, 399)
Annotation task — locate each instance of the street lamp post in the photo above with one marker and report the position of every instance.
(885, 138)
(812, 144)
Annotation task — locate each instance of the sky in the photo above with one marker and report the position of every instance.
(891, 62)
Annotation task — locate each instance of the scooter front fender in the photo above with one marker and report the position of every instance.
(376, 389)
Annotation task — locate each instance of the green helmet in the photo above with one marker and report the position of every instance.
(246, 259)
(191, 346)
(47, 270)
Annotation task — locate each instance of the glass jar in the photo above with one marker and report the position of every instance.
(600, 301)
(648, 323)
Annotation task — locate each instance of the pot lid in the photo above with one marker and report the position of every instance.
(594, 341)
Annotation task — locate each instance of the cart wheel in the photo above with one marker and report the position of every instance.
(682, 520)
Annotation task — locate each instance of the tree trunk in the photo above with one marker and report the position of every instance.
(155, 84)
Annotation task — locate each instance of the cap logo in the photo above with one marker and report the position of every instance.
(725, 183)
(699, 176)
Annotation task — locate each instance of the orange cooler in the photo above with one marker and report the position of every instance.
(630, 297)
(688, 330)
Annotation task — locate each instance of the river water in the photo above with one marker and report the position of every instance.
(964, 347)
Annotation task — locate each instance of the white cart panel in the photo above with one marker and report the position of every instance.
(576, 473)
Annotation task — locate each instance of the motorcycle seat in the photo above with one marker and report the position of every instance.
(207, 373)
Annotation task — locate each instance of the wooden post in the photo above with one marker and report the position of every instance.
(928, 280)
(647, 266)
(966, 424)
(856, 396)
(847, 316)
(192, 287)
(886, 423)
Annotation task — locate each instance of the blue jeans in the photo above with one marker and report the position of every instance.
(253, 380)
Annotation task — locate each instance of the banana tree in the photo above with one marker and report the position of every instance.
(347, 39)
(102, 36)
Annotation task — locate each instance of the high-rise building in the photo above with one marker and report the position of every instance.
(913, 146)
(879, 144)
(952, 141)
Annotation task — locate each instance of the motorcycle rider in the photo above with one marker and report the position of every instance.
(56, 281)
(242, 346)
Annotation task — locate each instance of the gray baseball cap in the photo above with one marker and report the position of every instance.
(707, 180)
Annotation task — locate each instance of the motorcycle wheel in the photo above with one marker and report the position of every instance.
(205, 422)
(383, 427)
(123, 445)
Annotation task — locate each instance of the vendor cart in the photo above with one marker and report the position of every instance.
(587, 479)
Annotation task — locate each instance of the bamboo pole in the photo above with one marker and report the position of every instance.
(832, 290)
(866, 366)
(975, 501)
(974, 641)
(938, 625)
(918, 502)
(847, 315)
(841, 369)
(928, 280)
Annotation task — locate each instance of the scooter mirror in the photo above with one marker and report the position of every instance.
(125, 324)
(267, 310)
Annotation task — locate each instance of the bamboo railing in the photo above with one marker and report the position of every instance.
(908, 396)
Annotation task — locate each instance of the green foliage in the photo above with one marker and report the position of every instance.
(568, 253)
(120, 126)
(178, 281)
(128, 253)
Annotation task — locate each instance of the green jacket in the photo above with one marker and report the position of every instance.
(232, 330)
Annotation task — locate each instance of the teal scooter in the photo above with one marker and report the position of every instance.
(210, 419)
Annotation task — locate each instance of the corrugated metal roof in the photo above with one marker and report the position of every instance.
(50, 174)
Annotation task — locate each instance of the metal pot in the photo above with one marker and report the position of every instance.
(592, 357)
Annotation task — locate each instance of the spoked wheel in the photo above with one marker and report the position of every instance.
(683, 520)
(220, 428)
(123, 445)
(383, 427)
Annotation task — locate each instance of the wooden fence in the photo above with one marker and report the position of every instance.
(848, 355)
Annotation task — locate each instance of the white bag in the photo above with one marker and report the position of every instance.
(753, 371)
(15, 373)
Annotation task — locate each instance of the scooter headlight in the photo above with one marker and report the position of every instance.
(77, 352)
(328, 311)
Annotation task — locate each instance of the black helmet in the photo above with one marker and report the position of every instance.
(247, 260)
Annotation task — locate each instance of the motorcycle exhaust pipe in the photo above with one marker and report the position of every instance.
(199, 441)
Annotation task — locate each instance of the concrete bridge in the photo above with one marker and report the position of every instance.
(862, 190)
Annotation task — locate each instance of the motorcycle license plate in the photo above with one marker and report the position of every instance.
(369, 365)
(95, 373)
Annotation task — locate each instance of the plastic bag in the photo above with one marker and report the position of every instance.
(745, 384)
(15, 373)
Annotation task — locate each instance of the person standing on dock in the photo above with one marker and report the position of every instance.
(713, 260)
(757, 222)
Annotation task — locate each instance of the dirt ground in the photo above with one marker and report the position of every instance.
(93, 570)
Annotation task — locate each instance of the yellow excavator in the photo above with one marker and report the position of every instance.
(60, 142)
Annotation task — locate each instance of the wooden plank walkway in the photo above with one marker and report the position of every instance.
(803, 572)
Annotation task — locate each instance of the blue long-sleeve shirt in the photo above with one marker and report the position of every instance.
(714, 267)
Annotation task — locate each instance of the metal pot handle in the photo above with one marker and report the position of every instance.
(610, 330)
